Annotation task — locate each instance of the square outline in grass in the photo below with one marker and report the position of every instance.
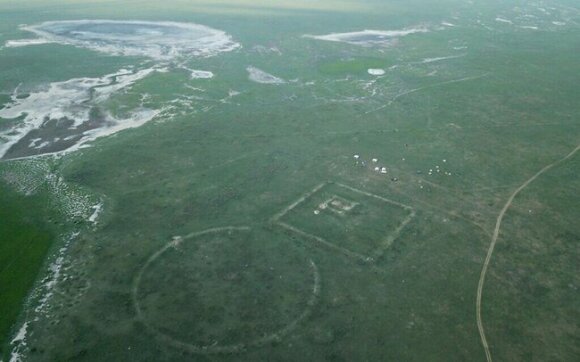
(377, 253)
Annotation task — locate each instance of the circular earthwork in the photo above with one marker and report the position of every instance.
(225, 290)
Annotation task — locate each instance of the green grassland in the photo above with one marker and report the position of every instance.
(356, 66)
(26, 237)
(457, 137)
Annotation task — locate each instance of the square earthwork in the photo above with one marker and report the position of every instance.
(357, 223)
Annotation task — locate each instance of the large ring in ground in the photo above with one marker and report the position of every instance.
(225, 290)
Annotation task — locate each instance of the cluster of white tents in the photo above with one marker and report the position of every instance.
(377, 168)
(383, 170)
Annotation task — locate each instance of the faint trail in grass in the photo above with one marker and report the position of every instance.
(453, 214)
(492, 246)
(425, 87)
(221, 165)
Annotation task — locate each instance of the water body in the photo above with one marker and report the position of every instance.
(157, 40)
(67, 115)
(260, 76)
(369, 38)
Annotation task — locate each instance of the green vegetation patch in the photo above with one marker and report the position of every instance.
(25, 239)
(4, 99)
(353, 66)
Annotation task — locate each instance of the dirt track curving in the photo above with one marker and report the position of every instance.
(494, 241)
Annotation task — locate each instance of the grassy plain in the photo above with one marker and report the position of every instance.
(26, 236)
(457, 136)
